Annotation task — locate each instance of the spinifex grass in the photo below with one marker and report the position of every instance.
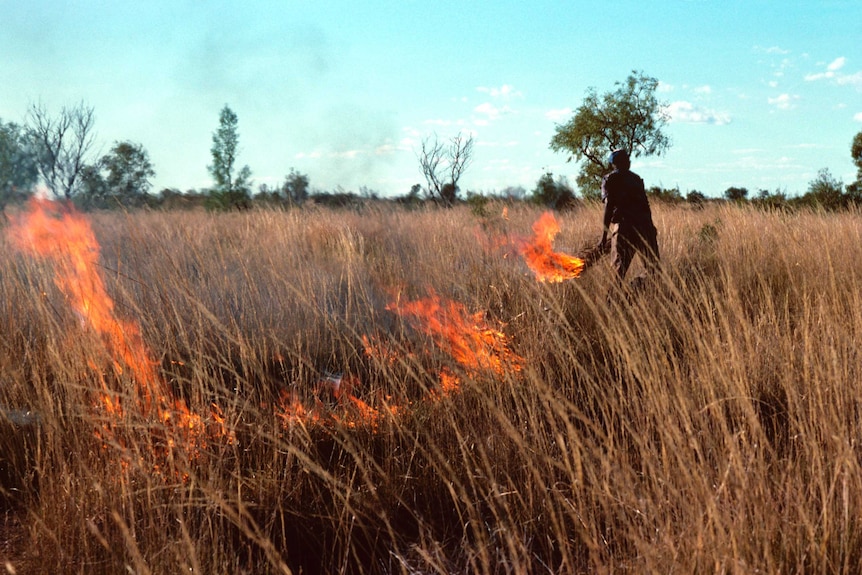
(706, 422)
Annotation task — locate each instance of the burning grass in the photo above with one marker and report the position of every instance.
(393, 391)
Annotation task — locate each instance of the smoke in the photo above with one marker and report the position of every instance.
(351, 146)
(259, 66)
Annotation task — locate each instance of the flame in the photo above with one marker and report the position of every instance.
(57, 233)
(465, 337)
(62, 236)
(350, 411)
(549, 266)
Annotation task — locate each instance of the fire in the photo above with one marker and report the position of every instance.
(56, 233)
(59, 235)
(466, 337)
(472, 344)
(549, 266)
(65, 238)
(348, 410)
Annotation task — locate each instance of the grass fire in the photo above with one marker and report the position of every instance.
(376, 391)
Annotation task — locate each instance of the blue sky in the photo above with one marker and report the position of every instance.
(762, 94)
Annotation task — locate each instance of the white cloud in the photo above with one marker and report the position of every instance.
(386, 149)
(832, 72)
(347, 154)
(858, 117)
(682, 111)
(490, 112)
(783, 101)
(664, 87)
(706, 89)
(851, 80)
(505, 92)
(488, 109)
(313, 155)
(771, 50)
(836, 64)
(558, 114)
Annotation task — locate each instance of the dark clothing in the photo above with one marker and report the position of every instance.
(625, 196)
(627, 209)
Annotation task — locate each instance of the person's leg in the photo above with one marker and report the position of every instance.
(649, 249)
(622, 252)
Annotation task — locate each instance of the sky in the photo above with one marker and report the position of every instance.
(760, 94)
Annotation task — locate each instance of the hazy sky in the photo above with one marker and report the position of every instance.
(762, 94)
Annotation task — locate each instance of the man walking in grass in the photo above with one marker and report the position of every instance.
(627, 210)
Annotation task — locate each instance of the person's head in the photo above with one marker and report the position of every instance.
(620, 159)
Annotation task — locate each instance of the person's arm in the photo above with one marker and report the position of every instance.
(606, 224)
(609, 212)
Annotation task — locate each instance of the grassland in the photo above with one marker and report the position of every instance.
(708, 423)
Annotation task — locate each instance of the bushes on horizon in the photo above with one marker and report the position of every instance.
(554, 193)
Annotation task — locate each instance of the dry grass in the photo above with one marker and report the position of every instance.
(708, 422)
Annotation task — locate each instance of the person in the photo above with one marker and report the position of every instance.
(627, 217)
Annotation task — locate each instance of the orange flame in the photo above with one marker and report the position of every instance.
(549, 266)
(57, 233)
(351, 411)
(466, 337)
(61, 235)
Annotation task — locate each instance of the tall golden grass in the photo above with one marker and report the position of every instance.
(707, 422)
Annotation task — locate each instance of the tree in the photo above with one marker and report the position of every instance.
(555, 194)
(735, 194)
(825, 191)
(18, 169)
(129, 171)
(630, 117)
(62, 145)
(856, 154)
(295, 187)
(515, 193)
(232, 188)
(767, 200)
(661, 194)
(854, 189)
(443, 164)
(120, 177)
(94, 191)
(695, 198)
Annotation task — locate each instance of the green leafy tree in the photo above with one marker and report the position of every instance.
(696, 198)
(767, 200)
(232, 186)
(120, 178)
(554, 194)
(94, 189)
(295, 187)
(18, 169)
(736, 194)
(668, 195)
(856, 153)
(630, 117)
(129, 171)
(825, 191)
(854, 189)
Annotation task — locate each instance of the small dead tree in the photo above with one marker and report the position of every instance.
(62, 145)
(443, 164)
